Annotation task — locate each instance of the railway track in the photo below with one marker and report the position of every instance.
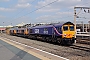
(74, 52)
(83, 41)
(80, 48)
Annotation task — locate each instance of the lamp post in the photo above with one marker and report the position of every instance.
(75, 22)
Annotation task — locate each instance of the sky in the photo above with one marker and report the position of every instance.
(13, 12)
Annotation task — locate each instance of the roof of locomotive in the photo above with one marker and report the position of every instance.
(48, 25)
(68, 23)
(13, 28)
(43, 26)
(17, 28)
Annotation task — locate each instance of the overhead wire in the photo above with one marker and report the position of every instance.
(70, 9)
(24, 9)
(20, 12)
(38, 9)
(83, 16)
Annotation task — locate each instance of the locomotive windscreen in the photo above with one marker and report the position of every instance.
(71, 28)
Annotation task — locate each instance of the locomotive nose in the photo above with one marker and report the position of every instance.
(68, 35)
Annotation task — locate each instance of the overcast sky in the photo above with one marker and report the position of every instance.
(13, 12)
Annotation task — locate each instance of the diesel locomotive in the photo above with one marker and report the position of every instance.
(62, 33)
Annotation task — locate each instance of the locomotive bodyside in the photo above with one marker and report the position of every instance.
(47, 32)
(55, 32)
(41, 30)
(59, 33)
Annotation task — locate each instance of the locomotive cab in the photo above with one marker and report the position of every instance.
(68, 32)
